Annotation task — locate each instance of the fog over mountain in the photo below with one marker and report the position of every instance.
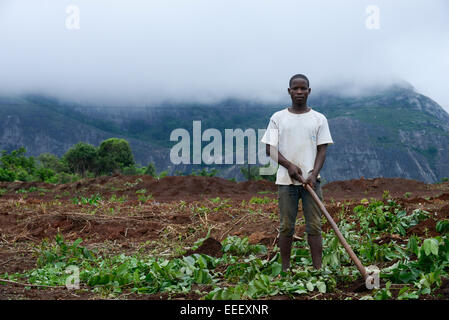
(144, 52)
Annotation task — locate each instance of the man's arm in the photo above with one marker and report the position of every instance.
(319, 161)
(293, 170)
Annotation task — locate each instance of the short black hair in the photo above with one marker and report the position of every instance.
(300, 76)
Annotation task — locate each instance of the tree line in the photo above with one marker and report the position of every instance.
(82, 160)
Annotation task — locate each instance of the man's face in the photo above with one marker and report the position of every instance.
(299, 91)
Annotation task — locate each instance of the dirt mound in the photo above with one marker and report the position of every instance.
(81, 225)
(444, 196)
(178, 204)
(170, 188)
(262, 237)
(415, 200)
(18, 185)
(428, 227)
(444, 211)
(192, 187)
(366, 188)
(210, 247)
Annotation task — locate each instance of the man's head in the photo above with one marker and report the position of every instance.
(298, 76)
(299, 89)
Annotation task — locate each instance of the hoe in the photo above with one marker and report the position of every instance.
(369, 279)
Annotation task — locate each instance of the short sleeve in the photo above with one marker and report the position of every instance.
(324, 135)
(271, 135)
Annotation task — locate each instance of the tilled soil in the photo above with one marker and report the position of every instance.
(180, 208)
(171, 188)
(374, 188)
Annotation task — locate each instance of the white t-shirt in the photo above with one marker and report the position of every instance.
(297, 136)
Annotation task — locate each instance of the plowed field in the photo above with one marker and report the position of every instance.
(164, 218)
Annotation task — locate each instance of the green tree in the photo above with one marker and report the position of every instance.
(151, 170)
(114, 154)
(81, 158)
(51, 161)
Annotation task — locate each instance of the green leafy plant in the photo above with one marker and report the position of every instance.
(142, 197)
(93, 200)
(442, 226)
(121, 199)
(241, 246)
(384, 293)
(389, 217)
(424, 272)
(220, 204)
(62, 252)
(133, 184)
(407, 293)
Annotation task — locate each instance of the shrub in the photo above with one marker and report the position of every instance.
(133, 170)
(45, 174)
(205, 172)
(16, 166)
(7, 175)
(17, 159)
(163, 174)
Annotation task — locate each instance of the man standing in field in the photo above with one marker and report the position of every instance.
(297, 138)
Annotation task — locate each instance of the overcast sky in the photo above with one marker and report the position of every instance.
(142, 52)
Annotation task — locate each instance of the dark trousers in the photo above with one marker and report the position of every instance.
(288, 196)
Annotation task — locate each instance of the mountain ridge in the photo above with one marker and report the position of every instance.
(395, 132)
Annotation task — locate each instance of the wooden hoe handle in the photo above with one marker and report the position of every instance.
(337, 231)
